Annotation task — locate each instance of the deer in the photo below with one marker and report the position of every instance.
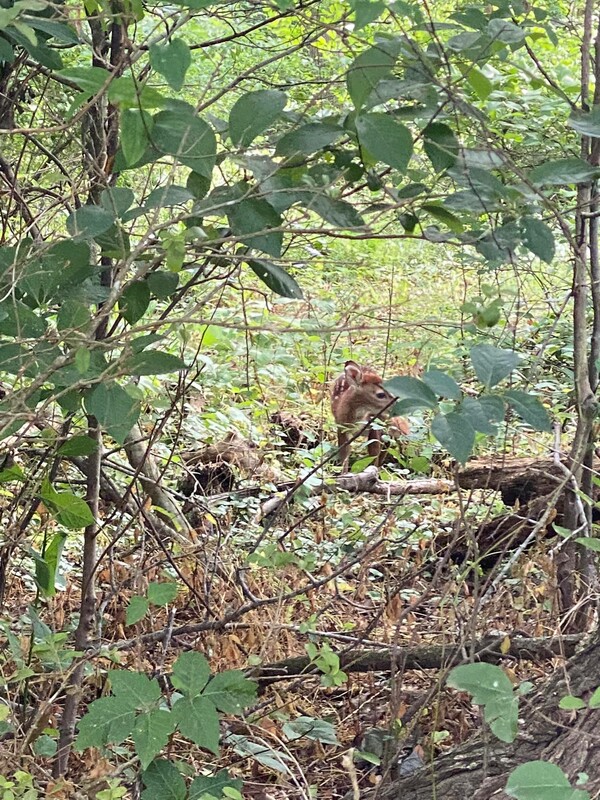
(357, 396)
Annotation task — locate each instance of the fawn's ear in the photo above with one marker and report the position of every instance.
(352, 371)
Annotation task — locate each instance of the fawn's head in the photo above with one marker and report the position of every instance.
(358, 394)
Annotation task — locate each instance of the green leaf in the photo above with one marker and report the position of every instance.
(162, 284)
(185, 136)
(385, 139)
(477, 416)
(163, 781)
(198, 185)
(454, 432)
(441, 146)
(309, 138)
(153, 362)
(10, 474)
(126, 92)
(541, 780)
(570, 703)
(191, 673)
(316, 729)
(116, 200)
(114, 409)
(230, 691)
(71, 511)
(443, 215)
(366, 11)
(505, 31)
(251, 220)
(136, 130)
(276, 278)
(205, 786)
(140, 691)
(109, 719)
(588, 124)
(17, 320)
(136, 610)
(563, 172)
(253, 113)
(368, 69)
(46, 566)
(73, 315)
(442, 384)
(336, 212)
(160, 594)
(502, 715)
(134, 301)
(151, 733)
(412, 393)
(485, 682)
(530, 409)
(480, 84)
(538, 238)
(197, 719)
(170, 195)
(172, 61)
(590, 542)
(491, 688)
(491, 364)
(78, 446)
(594, 701)
(88, 222)
(89, 79)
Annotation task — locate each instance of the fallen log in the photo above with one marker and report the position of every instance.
(491, 649)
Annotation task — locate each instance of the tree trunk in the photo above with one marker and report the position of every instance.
(479, 769)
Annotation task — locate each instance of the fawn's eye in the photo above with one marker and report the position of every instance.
(381, 395)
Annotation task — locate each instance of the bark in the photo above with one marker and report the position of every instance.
(388, 659)
(478, 770)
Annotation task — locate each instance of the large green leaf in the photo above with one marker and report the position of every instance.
(411, 392)
(114, 409)
(441, 145)
(153, 362)
(46, 566)
(197, 718)
(191, 673)
(385, 139)
(368, 69)
(151, 733)
(163, 781)
(563, 172)
(172, 60)
(529, 408)
(538, 238)
(442, 384)
(179, 132)
(541, 780)
(276, 278)
(454, 432)
(134, 301)
(204, 787)
(492, 364)
(336, 212)
(251, 220)
(253, 113)
(17, 319)
(90, 79)
(89, 221)
(309, 138)
(136, 129)
(586, 123)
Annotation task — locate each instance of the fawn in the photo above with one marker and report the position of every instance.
(356, 397)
